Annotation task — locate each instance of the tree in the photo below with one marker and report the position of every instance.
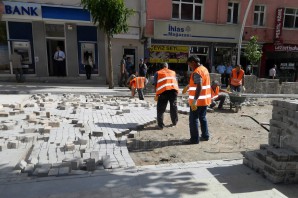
(253, 51)
(111, 17)
(1, 9)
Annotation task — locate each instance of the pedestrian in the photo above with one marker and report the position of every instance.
(142, 68)
(199, 100)
(16, 61)
(137, 83)
(59, 62)
(215, 96)
(166, 90)
(272, 72)
(229, 69)
(221, 70)
(236, 79)
(123, 75)
(129, 67)
(88, 60)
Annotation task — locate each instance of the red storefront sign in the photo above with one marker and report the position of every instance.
(279, 18)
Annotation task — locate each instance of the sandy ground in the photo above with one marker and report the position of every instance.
(230, 133)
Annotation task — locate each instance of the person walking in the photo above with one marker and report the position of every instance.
(137, 83)
(88, 59)
(166, 90)
(237, 79)
(215, 96)
(199, 99)
(272, 72)
(59, 63)
(16, 61)
(123, 75)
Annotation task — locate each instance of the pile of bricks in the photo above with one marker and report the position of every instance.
(278, 160)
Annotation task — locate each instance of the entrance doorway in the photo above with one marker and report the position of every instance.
(56, 68)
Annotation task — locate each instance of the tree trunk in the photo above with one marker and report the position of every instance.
(111, 79)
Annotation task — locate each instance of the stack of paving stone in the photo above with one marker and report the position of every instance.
(278, 161)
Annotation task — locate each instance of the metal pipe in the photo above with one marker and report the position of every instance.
(241, 31)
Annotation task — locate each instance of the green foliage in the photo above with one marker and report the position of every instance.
(253, 51)
(109, 15)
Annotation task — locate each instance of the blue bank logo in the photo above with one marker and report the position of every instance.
(21, 10)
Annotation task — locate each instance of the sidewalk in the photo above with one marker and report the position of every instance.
(196, 179)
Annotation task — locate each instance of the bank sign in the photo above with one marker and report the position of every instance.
(190, 31)
(16, 10)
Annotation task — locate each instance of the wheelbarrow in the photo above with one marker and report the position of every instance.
(236, 101)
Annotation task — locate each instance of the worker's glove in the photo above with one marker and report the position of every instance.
(185, 90)
(243, 88)
(156, 98)
(193, 106)
(228, 88)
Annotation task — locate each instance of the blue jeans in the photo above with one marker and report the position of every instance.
(194, 118)
(236, 88)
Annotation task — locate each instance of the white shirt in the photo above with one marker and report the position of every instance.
(272, 72)
(59, 55)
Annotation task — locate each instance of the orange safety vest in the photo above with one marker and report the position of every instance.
(138, 82)
(214, 93)
(166, 80)
(205, 95)
(236, 80)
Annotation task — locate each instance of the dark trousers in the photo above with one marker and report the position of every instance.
(236, 88)
(171, 96)
(141, 94)
(221, 99)
(59, 68)
(88, 69)
(223, 78)
(194, 118)
(227, 79)
(19, 75)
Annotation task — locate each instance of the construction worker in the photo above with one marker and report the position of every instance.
(236, 79)
(137, 83)
(166, 88)
(199, 99)
(215, 96)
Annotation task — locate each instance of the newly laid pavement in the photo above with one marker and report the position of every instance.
(195, 179)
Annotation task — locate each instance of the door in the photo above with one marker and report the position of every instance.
(56, 68)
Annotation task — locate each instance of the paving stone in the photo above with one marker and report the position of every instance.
(53, 172)
(63, 171)
(21, 165)
(4, 114)
(29, 169)
(90, 164)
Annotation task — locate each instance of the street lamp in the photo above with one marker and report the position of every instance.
(241, 31)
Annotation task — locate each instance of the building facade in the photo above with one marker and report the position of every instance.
(211, 29)
(34, 30)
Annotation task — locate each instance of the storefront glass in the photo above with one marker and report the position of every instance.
(222, 56)
(4, 52)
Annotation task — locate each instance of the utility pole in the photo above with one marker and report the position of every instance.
(242, 30)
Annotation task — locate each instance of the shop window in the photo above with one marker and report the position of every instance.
(259, 14)
(233, 10)
(291, 18)
(187, 9)
(4, 52)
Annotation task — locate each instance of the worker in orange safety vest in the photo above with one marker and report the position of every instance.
(215, 96)
(199, 99)
(166, 90)
(137, 83)
(237, 79)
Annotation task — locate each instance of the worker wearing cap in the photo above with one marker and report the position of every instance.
(166, 88)
(137, 83)
(142, 68)
(215, 96)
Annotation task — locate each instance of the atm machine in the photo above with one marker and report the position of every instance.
(24, 49)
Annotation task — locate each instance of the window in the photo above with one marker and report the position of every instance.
(187, 9)
(259, 14)
(4, 52)
(233, 9)
(291, 18)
